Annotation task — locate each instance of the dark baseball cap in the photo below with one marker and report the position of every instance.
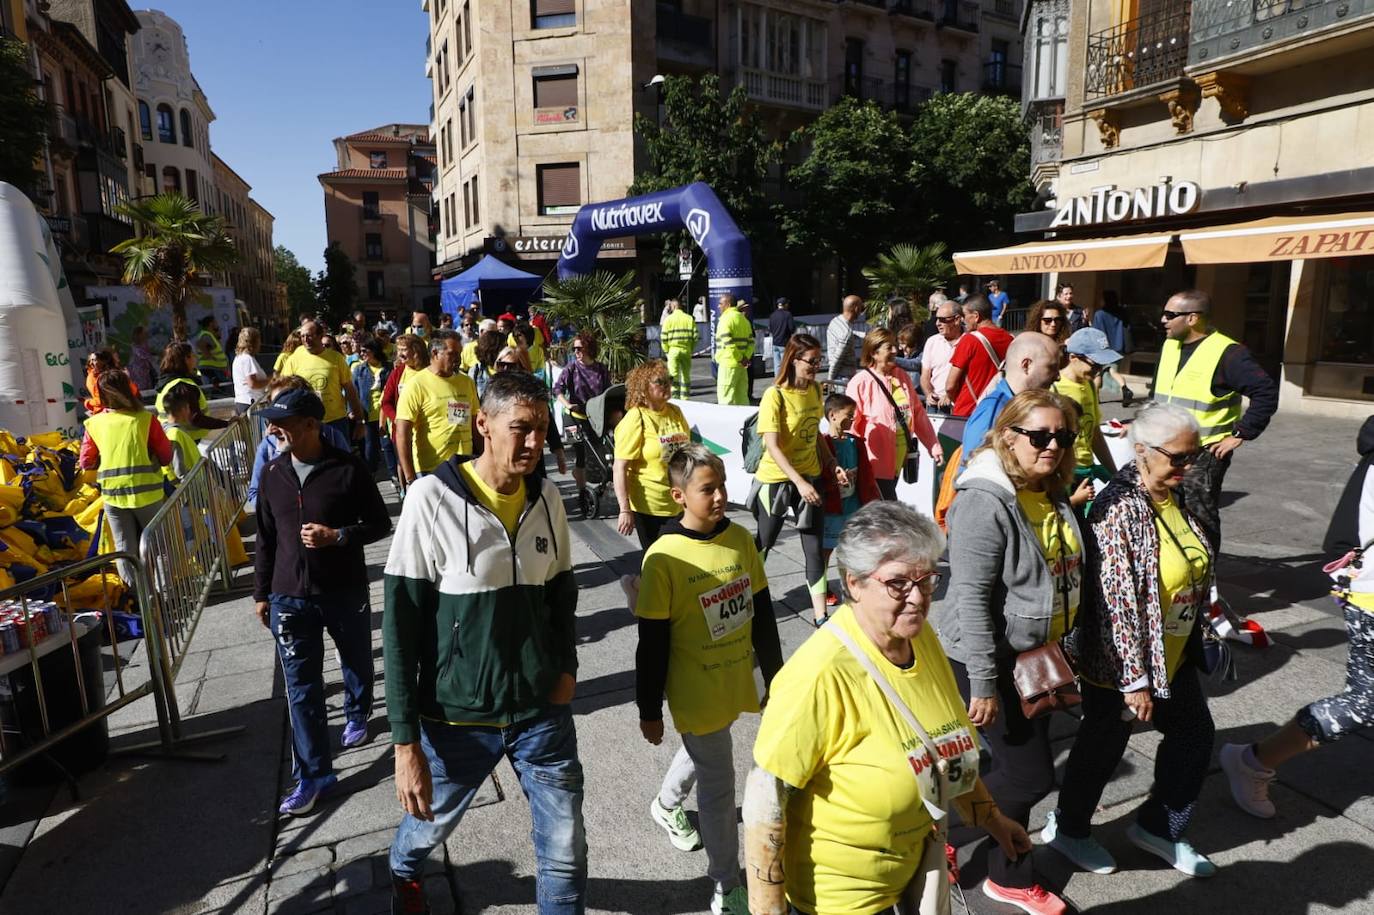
(294, 403)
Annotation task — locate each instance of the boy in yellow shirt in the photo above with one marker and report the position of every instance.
(704, 614)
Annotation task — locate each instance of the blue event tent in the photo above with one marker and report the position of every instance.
(501, 287)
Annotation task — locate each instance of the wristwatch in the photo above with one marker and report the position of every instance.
(342, 533)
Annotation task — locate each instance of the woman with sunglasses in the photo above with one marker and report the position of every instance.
(789, 478)
(645, 438)
(833, 818)
(1050, 318)
(581, 379)
(1140, 650)
(1016, 573)
(889, 418)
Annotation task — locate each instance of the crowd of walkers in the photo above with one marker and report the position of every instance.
(914, 720)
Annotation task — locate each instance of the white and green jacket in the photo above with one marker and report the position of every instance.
(479, 625)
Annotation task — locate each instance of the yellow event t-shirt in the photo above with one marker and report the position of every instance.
(327, 374)
(705, 588)
(1065, 560)
(1182, 580)
(645, 438)
(536, 351)
(795, 415)
(467, 358)
(1089, 416)
(441, 410)
(374, 407)
(505, 507)
(904, 408)
(856, 827)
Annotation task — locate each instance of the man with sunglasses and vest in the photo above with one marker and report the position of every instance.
(1207, 373)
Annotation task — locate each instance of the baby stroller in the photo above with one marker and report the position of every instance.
(598, 439)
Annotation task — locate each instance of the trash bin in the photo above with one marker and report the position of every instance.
(23, 723)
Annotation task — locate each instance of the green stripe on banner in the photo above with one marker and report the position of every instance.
(717, 450)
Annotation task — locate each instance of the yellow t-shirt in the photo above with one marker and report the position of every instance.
(856, 827)
(642, 437)
(441, 410)
(1085, 395)
(536, 351)
(904, 407)
(505, 507)
(327, 374)
(468, 357)
(374, 406)
(796, 417)
(705, 588)
(1065, 560)
(1179, 601)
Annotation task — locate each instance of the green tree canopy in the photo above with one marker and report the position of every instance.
(336, 290)
(716, 138)
(854, 186)
(175, 244)
(23, 119)
(300, 290)
(970, 167)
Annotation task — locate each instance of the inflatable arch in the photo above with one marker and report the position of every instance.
(694, 207)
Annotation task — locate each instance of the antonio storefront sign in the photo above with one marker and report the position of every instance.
(540, 247)
(1133, 252)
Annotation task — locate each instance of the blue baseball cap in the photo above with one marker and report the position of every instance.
(294, 403)
(1092, 344)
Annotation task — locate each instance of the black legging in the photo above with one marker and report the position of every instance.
(887, 489)
(1022, 769)
(771, 514)
(647, 527)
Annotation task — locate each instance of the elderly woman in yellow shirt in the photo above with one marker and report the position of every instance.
(846, 808)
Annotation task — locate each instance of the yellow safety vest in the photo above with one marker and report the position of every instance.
(734, 338)
(679, 332)
(128, 475)
(197, 433)
(1191, 388)
(215, 359)
(184, 441)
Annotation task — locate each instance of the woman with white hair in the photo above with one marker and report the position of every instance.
(1140, 650)
(834, 820)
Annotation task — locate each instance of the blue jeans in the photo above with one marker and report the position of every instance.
(372, 446)
(298, 625)
(345, 427)
(543, 753)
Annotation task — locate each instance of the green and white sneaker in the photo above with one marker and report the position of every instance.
(676, 824)
(735, 902)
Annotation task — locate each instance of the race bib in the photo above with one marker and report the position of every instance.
(1182, 612)
(728, 607)
(1070, 568)
(458, 412)
(669, 443)
(960, 752)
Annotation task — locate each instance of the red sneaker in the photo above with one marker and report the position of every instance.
(832, 599)
(952, 858)
(1035, 900)
(408, 897)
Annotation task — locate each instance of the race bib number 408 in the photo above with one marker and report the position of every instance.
(728, 607)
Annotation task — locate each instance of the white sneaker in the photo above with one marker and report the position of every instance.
(1249, 785)
(676, 824)
(630, 585)
(735, 902)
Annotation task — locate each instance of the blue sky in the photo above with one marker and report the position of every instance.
(285, 77)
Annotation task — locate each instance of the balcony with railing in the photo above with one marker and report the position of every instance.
(959, 15)
(1137, 54)
(1002, 77)
(782, 89)
(1047, 133)
(684, 38)
(901, 97)
(1226, 30)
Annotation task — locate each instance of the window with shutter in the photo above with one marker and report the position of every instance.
(555, 99)
(560, 188)
(553, 14)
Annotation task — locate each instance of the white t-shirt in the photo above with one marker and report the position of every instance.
(935, 356)
(244, 366)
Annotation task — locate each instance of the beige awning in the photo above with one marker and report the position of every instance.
(1135, 252)
(1281, 238)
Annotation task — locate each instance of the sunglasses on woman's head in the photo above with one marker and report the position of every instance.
(1180, 459)
(1041, 438)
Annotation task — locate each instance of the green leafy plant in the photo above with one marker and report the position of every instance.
(605, 305)
(176, 245)
(911, 272)
(24, 119)
(300, 288)
(336, 289)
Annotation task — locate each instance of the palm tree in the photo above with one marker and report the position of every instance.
(907, 271)
(605, 305)
(178, 244)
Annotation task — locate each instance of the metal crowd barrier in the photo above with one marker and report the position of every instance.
(20, 740)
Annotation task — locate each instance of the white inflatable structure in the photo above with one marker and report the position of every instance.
(37, 393)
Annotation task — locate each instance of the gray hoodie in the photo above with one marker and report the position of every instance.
(1001, 594)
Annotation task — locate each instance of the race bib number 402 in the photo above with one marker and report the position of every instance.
(728, 607)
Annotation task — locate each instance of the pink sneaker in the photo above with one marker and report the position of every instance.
(1035, 900)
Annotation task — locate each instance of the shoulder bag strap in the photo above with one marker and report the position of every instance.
(934, 808)
(998, 364)
(887, 392)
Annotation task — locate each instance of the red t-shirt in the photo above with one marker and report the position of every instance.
(971, 356)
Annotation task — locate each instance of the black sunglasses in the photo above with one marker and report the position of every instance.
(1053, 320)
(1182, 459)
(1170, 315)
(1041, 438)
(950, 320)
(507, 366)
